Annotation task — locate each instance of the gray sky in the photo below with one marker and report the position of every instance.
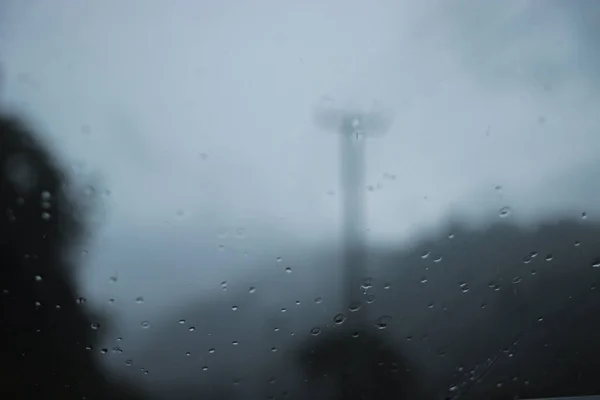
(197, 117)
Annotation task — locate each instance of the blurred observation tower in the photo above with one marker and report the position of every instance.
(353, 128)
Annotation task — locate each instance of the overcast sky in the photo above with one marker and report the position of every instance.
(197, 116)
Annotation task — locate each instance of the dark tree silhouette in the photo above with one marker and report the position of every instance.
(47, 337)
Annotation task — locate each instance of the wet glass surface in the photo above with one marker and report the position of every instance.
(282, 200)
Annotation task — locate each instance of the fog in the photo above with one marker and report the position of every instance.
(193, 122)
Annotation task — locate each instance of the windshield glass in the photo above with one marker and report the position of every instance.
(276, 199)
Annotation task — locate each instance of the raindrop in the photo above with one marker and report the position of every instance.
(370, 299)
(424, 279)
(533, 272)
(425, 254)
(128, 362)
(451, 236)
(288, 270)
(504, 212)
(577, 243)
(234, 308)
(235, 343)
(339, 319)
(145, 324)
(113, 279)
(318, 300)
(549, 257)
(252, 289)
(387, 286)
(297, 302)
(596, 263)
(430, 305)
(139, 300)
(354, 307)
(383, 322)
(211, 350)
(283, 309)
(38, 278)
(224, 285)
(516, 279)
(527, 259)
(583, 215)
(182, 321)
(205, 368)
(274, 349)
(437, 259)
(279, 259)
(104, 351)
(95, 326)
(192, 328)
(46, 216)
(315, 331)
(367, 283)
(45, 195)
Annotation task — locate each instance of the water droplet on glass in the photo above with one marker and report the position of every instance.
(424, 255)
(424, 279)
(192, 328)
(383, 322)
(128, 362)
(370, 299)
(504, 212)
(527, 259)
(339, 319)
(297, 302)
(279, 259)
(234, 308)
(387, 286)
(224, 285)
(235, 343)
(516, 279)
(596, 263)
(283, 309)
(139, 300)
(46, 216)
(315, 331)
(211, 350)
(288, 270)
(113, 279)
(252, 289)
(549, 257)
(583, 215)
(354, 307)
(318, 300)
(577, 243)
(205, 368)
(182, 321)
(274, 349)
(80, 300)
(95, 326)
(38, 278)
(145, 324)
(437, 259)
